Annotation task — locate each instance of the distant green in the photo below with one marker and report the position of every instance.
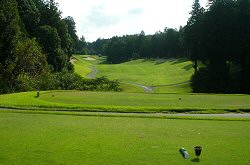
(56, 139)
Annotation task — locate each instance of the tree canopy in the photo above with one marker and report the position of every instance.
(222, 42)
(33, 38)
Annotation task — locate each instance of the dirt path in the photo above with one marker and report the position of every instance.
(226, 115)
(146, 89)
(93, 73)
(169, 85)
(156, 115)
(150, 89)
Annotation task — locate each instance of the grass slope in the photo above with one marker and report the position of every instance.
(144, 72)
(81, 66)
(55, 139)
(127, 102)
(149, 72)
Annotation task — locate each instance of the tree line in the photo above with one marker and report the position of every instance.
(36, 44)
(216, 39)
(219, 38)
(166, 44)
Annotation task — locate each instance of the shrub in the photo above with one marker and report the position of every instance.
(72, 81)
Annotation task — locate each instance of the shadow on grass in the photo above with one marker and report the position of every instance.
(178, 61)
(188, 67)
(196, 160)
(104, 62)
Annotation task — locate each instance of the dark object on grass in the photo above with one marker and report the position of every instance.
(197, 150)
(195, 160)
(184, 153)
(38, 94)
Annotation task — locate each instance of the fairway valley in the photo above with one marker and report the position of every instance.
(132, 98)
(148, 75)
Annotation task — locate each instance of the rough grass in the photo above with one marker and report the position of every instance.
(56, 139)
(128, 102)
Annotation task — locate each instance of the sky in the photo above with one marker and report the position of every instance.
(107, 18)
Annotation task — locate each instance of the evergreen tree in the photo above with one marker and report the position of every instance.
(243, 38)
(72, 30)
(192, 29)
(29, 15)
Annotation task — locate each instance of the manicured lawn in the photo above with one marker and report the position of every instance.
(56, 139)
(149, 72)
(134, 99)
(131, 88)
(82, 66)
(184, 88)
(143, 72)
(126, 102)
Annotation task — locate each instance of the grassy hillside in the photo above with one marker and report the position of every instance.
(143, 72)
(149, 72)
(127, 102)
(81, 66)
(56, 139)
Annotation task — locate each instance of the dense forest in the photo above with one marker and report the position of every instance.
(36, 45)
(219, 37)
(216, 39)
(167, 44)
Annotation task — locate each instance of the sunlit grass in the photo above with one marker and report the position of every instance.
(149, 72)
(127, 102)
(82, 66)
(184, 88)
(143, 72)
(56, 139)
(131, 88)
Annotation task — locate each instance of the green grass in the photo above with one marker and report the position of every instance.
(56, 139)
(149, 72)
(57, 129)
(127, 102)
(82, 66)
(144, 72)
(131, 88)
(185, 88)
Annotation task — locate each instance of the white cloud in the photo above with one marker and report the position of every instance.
(107, 18)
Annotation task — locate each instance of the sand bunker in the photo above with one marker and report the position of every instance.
(73, 60)
(89, 59)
